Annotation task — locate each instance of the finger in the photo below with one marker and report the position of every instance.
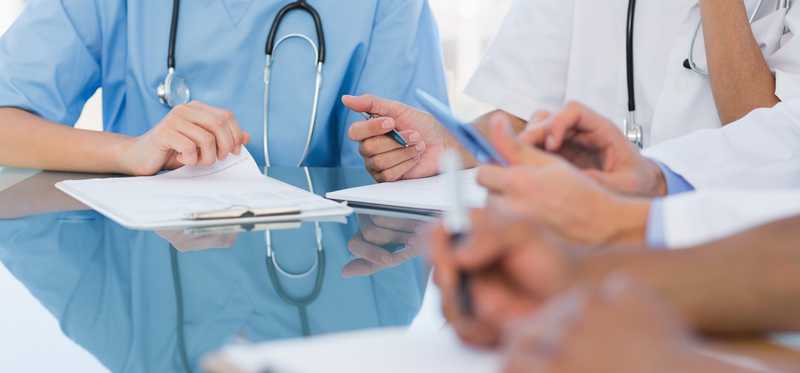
(397, 172)
(230, 119)
(202, 139)
(374, 105)
(391, 159)
(185, 147)
(370, 252)
(441, 256)
(534, 135)
(360, 268)
(362, 130)
(495, 178)
(211, 122)
(398, 225)
(540, 116)
(575, 117)
(502, 137)
(382, 236)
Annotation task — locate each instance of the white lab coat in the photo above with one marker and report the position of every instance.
(700, 217)
(760, 151)
(551, 51)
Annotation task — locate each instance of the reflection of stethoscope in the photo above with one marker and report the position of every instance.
(633, 131)
(175, 89)
(274, 268)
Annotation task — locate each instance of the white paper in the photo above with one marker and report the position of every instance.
(421, 194)
(168, 199)
(383, 350)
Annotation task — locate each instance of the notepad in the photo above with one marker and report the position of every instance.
(232, 191)
(382, 350)
(420, 195)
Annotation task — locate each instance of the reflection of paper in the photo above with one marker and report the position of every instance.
(383, 350)
(162, 200)
(421, 194)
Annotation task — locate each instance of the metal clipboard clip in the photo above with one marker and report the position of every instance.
(242, 212)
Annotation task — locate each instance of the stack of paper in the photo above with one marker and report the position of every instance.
(412, 195)
(171, 199)
(382, 350)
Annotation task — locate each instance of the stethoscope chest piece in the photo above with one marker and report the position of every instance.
(174, 91)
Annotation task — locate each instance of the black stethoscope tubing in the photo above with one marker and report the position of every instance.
(629, 62)
(273, 31)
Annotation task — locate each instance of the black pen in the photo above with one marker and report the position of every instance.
(456, 220)
(394, 134)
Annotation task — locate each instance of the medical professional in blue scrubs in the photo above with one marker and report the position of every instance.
(59, 53)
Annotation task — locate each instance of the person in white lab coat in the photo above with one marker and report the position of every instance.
(552, 52)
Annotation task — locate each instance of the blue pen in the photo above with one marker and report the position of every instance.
(466, 135)
(394, 134)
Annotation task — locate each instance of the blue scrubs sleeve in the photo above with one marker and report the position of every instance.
(404, 55)
(656, 237)
(50, 59)
(676, 184)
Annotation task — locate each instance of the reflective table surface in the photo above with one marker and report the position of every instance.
(82, 293)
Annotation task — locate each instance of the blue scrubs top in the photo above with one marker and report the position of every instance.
(59, 52)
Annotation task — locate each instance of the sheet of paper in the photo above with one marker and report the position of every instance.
(382, 350)
(168, 199)
(421, 194)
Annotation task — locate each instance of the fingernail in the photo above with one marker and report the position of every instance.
(615, 285)
(420, 147)
(414, 137)
(387, 124)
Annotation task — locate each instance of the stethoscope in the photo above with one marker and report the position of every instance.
(634, 131)
(174, 90)
(273, 270)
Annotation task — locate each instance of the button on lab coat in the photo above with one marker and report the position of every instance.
(551, 51)
(58, 53)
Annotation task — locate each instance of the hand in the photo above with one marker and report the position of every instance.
(186, 242)
(190, 134)
(385, 159)
(616, 329)
(595, 145)
(372, 245)
(546, 188)
(513, 264)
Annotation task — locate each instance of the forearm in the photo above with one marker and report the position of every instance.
(744, 284)
(28, 141)
(741, 79)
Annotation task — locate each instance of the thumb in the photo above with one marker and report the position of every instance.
(502, 138)
(373, 105)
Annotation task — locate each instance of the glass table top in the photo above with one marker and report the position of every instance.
(82, 293)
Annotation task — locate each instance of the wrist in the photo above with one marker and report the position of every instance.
(120, 155)
(626, 221)
(658, 187)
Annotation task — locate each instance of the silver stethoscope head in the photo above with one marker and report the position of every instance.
(633, 131)
(174, 91)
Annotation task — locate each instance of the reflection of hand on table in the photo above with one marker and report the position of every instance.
(382, 243)
(184, 241)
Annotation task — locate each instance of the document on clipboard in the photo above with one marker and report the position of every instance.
(232, 191)
(427, 196)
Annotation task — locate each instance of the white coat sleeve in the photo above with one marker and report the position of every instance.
(696, 218)
(525, 69)
(761, 150)
(785, 60)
